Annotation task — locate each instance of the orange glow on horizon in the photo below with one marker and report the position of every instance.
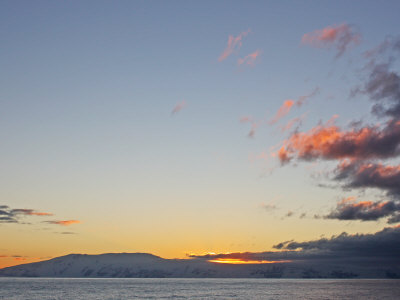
(238, 261)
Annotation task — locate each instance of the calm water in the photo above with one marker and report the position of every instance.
(44, 288)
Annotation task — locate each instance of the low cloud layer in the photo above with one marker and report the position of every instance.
(353, 249)
(383, 244)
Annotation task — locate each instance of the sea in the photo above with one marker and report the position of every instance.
(154, 288)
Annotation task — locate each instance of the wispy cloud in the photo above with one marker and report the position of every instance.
(289, 103)
(8, 215)
(15, 257)
(63, 222)
(178, 107)
(234, 44)
(282, 111)
(389, 44)
(250, 59)
(268, 206)
(246, 119)
(295, 122)
(30, 212)
(342, 37)
(255, 124)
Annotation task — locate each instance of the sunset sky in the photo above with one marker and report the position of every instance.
(182, 128)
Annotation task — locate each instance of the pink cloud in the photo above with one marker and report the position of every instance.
(234, 43)
(282, 111)
(178, 107)
(288, 104)
(245, 119)
(295, 121)
(249, 59)
(340, 36)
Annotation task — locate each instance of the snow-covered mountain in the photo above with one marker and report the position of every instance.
(125, 265)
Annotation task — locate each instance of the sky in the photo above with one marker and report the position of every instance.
(184, 128)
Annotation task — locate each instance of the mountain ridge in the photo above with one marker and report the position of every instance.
(146, 265)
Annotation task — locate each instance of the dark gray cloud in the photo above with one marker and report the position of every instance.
(8, 219)
(383, 87)
(370, 175)
(8, 215)
(390, 45)
(366, 210)
(394, 219)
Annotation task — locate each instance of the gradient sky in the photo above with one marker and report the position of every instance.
(156, 124)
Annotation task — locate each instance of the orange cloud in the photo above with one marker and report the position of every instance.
(64, 223)
(236, 261)
(29, 212)
(330, 142)
(249, 59)
(288, 104)
(234, 43)
(342, 36)
(19, 258)
(40, 214)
